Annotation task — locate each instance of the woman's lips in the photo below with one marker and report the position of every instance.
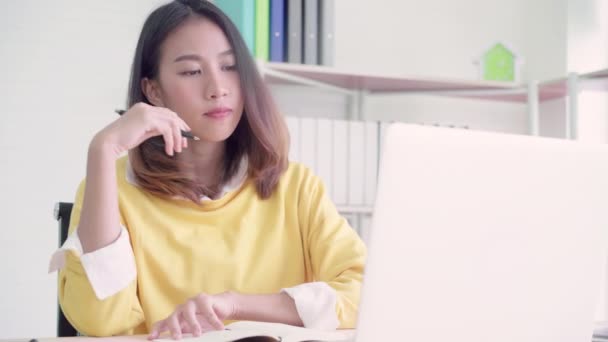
(219, 112)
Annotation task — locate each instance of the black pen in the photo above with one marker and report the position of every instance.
(184, 133)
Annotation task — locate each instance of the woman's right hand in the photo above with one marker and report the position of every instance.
(141, 122)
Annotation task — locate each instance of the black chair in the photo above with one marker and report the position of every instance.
(62, 212)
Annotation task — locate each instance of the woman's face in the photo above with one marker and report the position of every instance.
(198, 79)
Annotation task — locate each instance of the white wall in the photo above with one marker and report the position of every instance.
(438, 38)
(588, 51)
(65, 67)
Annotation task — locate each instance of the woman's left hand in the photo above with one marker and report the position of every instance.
(199, 314)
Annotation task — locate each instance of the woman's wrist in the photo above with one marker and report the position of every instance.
(101, 146)
(235, 301)
(278, 307)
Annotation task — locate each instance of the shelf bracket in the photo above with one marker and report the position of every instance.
(572, 114)
(533, 108)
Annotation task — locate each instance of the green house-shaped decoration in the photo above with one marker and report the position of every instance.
(499, 63)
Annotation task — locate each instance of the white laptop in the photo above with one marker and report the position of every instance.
(480, 237)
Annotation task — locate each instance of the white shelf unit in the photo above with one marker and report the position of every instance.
(358, 86)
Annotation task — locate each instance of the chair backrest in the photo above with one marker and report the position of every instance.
(62, 212)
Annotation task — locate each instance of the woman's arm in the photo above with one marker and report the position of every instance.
(206, 312)
(337, 257)
(278, 308)
(98, 286)
(98, 290)
(99, 220)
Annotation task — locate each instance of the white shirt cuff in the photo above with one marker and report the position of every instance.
(316, 305)
(109, 269)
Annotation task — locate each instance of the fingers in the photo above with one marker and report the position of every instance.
(185, 128)
(180, 125)
(171, 324)
(189, 315)
(205, 309)
(215, 322)
(196, 316)
(174, 326)
(184, 125)
(157, 121)
(167, 133)
(177, 136)
(157, 329)
(174, 118)
(177, 125)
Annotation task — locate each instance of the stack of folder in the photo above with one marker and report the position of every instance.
(292, 31)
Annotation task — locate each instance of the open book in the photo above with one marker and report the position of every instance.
(245, 331)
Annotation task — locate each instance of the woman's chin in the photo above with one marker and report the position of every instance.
(215, 137)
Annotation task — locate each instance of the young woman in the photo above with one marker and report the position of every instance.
(182, 235)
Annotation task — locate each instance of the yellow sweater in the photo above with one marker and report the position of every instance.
(238, 242)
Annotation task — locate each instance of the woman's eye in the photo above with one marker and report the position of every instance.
(229, 67)
(190, 72)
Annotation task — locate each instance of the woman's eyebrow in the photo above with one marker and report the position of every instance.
(194, 57)
(190, 57)
(227, 52)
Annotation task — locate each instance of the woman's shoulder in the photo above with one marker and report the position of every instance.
(121, 165)
(300, 175)
(297, 170)
(122, 177)
(124, 174)
(125, 177)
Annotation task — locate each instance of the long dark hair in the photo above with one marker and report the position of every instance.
(261, 134)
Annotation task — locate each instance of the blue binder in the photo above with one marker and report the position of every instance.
(277, 30)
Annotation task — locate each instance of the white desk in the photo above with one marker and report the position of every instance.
(138, 338)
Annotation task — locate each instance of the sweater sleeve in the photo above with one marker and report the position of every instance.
(337, 254)
(98, 290)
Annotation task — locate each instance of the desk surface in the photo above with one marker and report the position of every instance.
(138, 338)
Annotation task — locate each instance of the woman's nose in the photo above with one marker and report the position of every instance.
(216, 87)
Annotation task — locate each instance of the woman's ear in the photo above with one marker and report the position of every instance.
(152, 91)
